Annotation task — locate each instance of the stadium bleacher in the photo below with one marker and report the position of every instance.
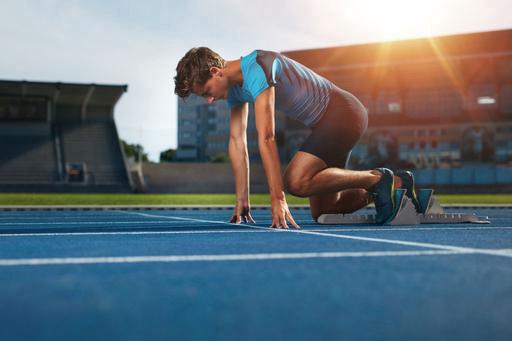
(46, 127)
(96, 145)
(465, 175)
(27, 154)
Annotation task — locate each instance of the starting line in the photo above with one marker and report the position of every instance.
(431, 212)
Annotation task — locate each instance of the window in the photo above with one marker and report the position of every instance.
(433, 102)
(481, 96)
(486, 100)
(394, 107)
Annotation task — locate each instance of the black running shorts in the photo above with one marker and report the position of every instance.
(342, 124)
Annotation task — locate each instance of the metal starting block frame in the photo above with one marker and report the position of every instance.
(431, 212)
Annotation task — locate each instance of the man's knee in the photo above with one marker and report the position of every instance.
(296, 185)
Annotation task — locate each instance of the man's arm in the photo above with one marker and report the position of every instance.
(238, 151)
(265, 124)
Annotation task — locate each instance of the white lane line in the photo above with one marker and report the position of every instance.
(213, 258)
(343, 236)
(53, 234)
(402, 242)
(470, 228)
(150, 232)
(194, 220)
(26, 215)
(94, 223)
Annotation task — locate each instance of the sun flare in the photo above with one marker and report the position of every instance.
(397, 19)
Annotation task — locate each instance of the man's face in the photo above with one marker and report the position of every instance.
(215, 88)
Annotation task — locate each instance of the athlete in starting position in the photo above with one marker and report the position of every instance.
(318, 171)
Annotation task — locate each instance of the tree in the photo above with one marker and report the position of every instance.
(134, 150)
(167, 155)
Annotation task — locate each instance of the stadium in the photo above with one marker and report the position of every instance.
(100, 242)
(61, 137)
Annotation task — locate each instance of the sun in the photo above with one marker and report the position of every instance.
(397, 19)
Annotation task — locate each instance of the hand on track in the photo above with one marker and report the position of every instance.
(281, 215)
(242, 212)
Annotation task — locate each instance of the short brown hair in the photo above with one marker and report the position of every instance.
(194, 68)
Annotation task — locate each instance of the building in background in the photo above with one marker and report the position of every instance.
(60, 137)
(203, 131)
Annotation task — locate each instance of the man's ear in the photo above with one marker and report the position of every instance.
(215, 71)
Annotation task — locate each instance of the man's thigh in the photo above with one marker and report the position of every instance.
(303, 166)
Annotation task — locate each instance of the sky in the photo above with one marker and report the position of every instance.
(139, 43)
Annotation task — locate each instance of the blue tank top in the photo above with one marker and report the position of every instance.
(300, 93)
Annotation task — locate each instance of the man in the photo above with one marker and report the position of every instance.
(318, 171)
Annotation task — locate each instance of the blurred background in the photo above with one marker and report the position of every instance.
(87, 103)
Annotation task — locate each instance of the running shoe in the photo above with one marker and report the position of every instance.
(383, 196)
(408, 183)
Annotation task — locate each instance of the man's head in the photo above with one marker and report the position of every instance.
(200, 72)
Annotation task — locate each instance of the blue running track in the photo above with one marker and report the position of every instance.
(189, 275)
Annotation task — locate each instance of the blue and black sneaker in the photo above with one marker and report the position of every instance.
(383, 196)
(408, 183)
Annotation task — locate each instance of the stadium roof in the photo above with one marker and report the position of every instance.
(65, 93)
(492, 43)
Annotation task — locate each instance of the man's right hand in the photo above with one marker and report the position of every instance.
(242, 212)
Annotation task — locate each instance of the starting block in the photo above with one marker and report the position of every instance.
(431, 212)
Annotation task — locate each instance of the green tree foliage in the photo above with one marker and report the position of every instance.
(168, 155)
(134, 150)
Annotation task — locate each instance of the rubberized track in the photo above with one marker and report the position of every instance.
(189, 275)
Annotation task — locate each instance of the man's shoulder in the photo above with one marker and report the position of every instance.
(261, 57)
(259, 52)
(259, 63)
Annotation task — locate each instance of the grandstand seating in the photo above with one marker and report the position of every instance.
(27, 154)
(503, 175)
(484, 175)
(443, 176)
(96, 145)
(51, 131)
(464, 176)
(29, 161)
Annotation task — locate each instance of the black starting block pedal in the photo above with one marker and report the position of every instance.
(431, 212)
